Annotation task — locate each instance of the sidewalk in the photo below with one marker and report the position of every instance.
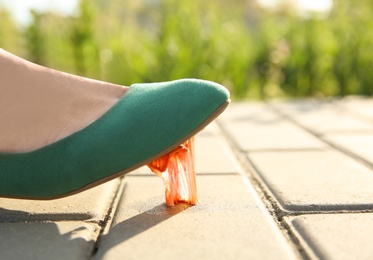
(278, 180)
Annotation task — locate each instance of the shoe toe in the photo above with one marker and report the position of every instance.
(178, 108)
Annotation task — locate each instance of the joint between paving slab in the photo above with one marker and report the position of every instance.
(273, 206)
(320, 137)
(105, 223)
(345, 151)
(318, 212)
(263, 189)
(304, 249)
(283, 150)
(352, 112)
(268, 200)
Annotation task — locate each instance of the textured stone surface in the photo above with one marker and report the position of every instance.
(336, 236)
(359, 105)
(229, 223)
(241, 111)
(45, 241)
(262, 129)
(316, 180)
(213, 156)
(360, 144)
(91, 204)
(322, 116)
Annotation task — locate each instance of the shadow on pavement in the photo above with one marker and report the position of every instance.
(16, 216)
(22, 238)
(136, 225)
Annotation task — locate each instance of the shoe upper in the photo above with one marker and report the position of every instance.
(147, 121)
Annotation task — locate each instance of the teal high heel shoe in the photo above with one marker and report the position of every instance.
(149, 121)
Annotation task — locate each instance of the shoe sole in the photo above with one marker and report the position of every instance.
(211, 118)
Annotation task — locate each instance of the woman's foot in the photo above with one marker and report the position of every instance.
(62, 134)
(39, 106)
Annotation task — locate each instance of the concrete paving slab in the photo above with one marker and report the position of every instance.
(45, 241)
(212, 156)
(322, 116)
(242, 111)
(359, 105)
(211, 129)
(303, 173)
(91, 204)
(230, 222)
(315, 180)
(281, 136)
(360, 144)
(336, 236)
(262, 129)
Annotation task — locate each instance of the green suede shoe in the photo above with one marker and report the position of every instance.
(149, 121)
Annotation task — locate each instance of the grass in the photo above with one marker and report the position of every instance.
(255, 53)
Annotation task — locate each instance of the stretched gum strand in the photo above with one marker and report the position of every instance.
(177, 170)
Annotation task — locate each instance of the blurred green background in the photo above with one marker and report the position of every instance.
(254, 51)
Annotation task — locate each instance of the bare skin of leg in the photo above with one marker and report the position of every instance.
(39, 106)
